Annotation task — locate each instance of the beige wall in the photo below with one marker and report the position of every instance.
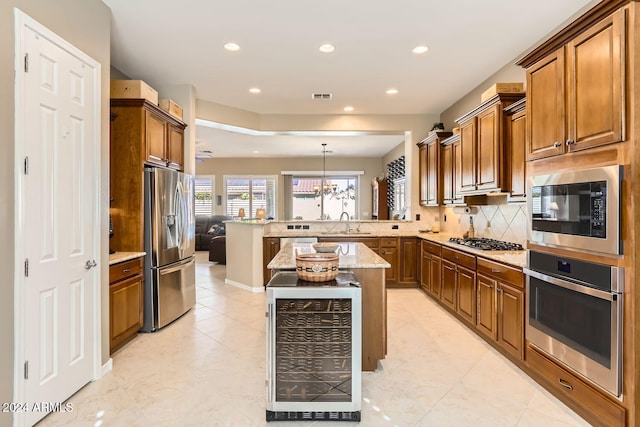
(508, 74)
(86, 25)
(372, 166)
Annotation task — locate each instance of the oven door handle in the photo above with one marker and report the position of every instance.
(608, 296)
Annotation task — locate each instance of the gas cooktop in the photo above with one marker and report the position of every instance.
(487, 244)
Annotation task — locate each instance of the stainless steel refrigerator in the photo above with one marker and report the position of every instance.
(169, 236)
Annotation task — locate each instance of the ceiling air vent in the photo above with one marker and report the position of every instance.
(321, 96)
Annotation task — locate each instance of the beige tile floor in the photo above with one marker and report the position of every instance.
(208, 369)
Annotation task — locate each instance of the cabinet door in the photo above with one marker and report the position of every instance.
(391, 256)
(423, 168)
(435, 282)
(516, 135)
(447, 174)
(489, 148)
(425, 272)
(125, 307)
(468, 155)
(466, 295)
(271, 246)
(175, 148)
(486, 321)
(448, 290)
(433, 172)
(155, 139)
(545, 107)
(408, 267)
(596, 95)
(457, 173)
(510, 320)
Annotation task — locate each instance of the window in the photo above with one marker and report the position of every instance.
(313, 200)
(250, 193)
(204, 189)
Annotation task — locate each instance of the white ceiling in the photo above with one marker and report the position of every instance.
(181, 42)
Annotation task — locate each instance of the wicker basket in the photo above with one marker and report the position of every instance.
(317, 267)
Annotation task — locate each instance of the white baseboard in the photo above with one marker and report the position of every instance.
(106, 368)
(243, 286)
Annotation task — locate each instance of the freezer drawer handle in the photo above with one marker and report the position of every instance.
(176, 268)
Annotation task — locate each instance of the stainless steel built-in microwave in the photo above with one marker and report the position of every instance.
(578, 209)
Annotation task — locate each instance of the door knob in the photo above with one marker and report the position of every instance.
(89, 264)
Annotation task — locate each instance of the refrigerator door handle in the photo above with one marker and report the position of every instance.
(178, 267)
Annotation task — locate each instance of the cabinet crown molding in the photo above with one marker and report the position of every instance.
(562, 37)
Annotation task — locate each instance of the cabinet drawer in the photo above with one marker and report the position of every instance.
(562, 383)
(125, 269)
(501, 272)
(432, 248)
(458, 257)
(388, 242)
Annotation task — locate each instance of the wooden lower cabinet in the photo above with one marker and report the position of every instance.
(500, 295)
(126, 302)
(448, 289)
(583, 398)
(408, 262)
(391, 256)
(466, 294)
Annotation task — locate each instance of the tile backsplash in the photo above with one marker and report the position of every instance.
(506, 222)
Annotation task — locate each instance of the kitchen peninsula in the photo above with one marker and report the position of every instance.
(369, 269)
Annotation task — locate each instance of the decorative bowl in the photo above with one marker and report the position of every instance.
(325, 247)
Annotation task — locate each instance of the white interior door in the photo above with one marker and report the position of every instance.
(59, 216)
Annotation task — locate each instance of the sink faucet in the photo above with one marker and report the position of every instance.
(341, 215)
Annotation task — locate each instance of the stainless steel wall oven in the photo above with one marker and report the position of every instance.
(578, 209)
(574, 314)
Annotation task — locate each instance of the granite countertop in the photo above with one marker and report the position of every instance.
(124, 256)
(352, 255)
(355, 234)
(514, 258)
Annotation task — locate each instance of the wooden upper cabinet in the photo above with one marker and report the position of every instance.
(175, 148)
(595, 74)
(450, 170)
(483, 145)
(588, 76)
(431, 185)
(159, 135)
(515, 150)
(546, 112)
(468, 143)
(423, 168)
(155, 139)
(489, 149)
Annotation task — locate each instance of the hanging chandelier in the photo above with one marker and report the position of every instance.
(327, 189)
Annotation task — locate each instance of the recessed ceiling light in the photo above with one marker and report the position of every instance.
(256, 152)
(233, 47)
(392, 91)
(255, 90)
(420, 49)
(348, 108)
(327, 48)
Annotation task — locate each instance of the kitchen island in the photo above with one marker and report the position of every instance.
(369, 269)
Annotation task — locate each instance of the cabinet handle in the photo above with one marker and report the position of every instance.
(126, 270)
(557, 144)
(495, 271)
(565, 384)
(499, 290)
(570, 142)
(490, 286)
